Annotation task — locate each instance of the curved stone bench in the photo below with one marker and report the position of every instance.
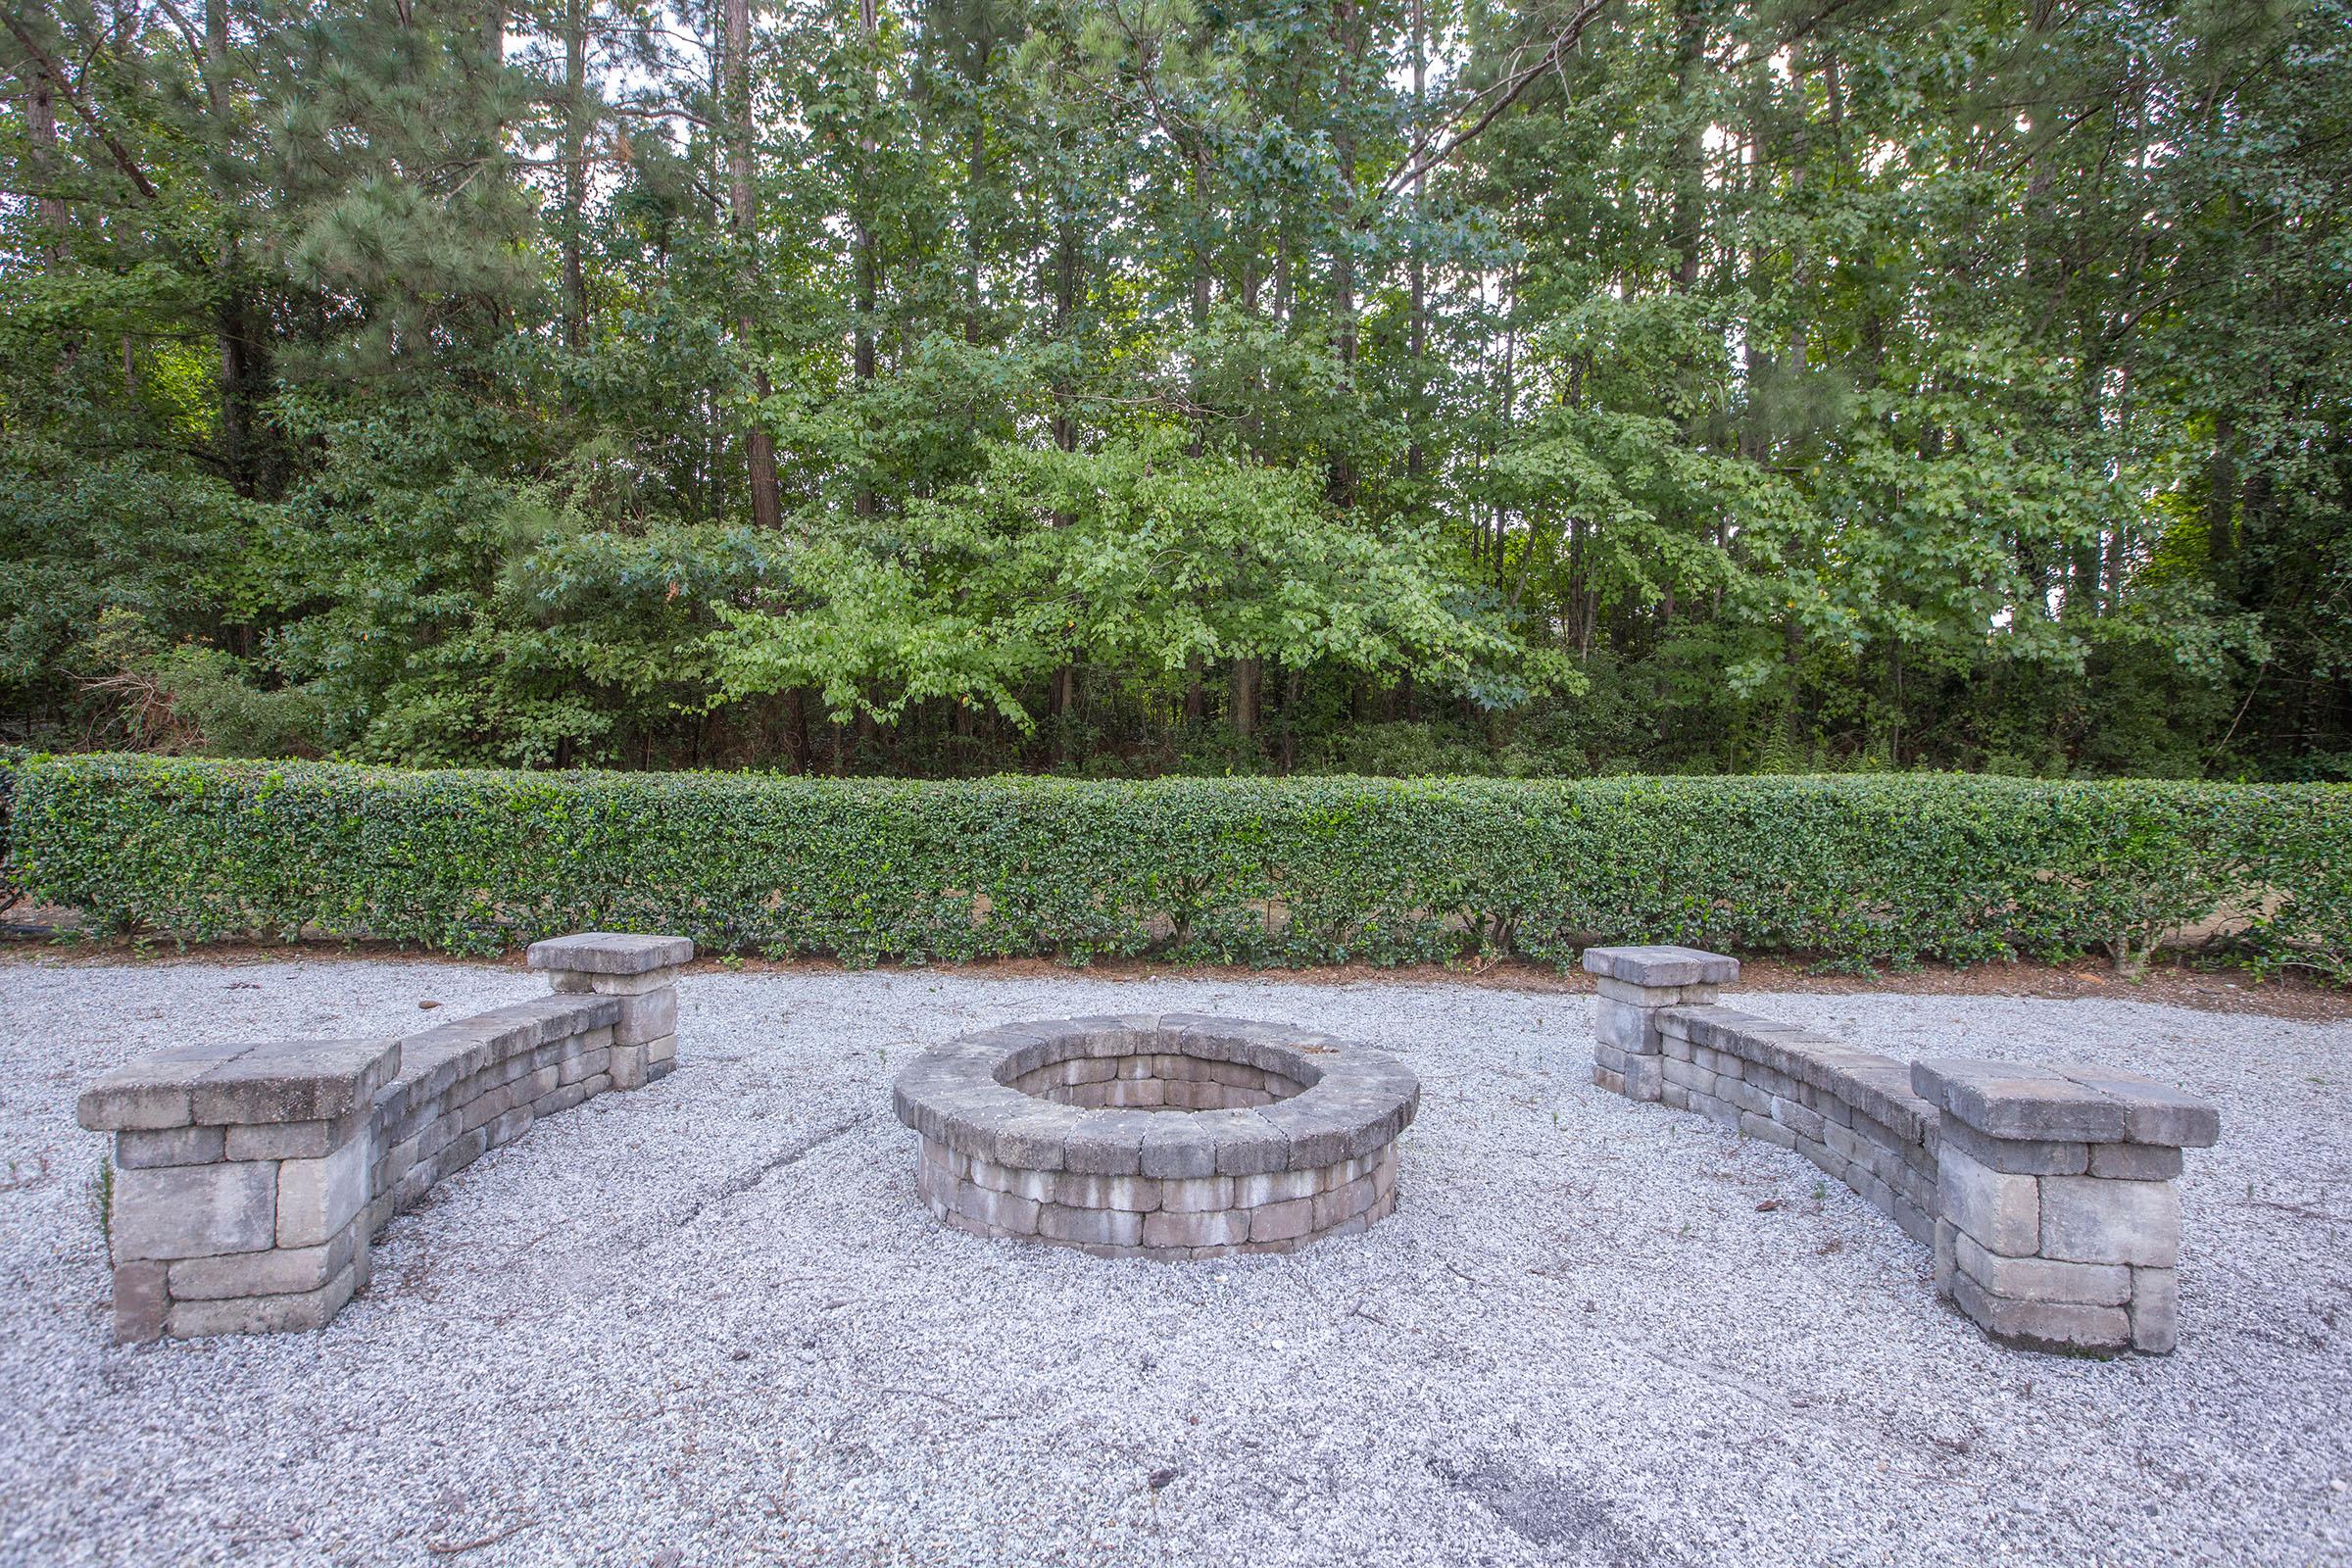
(1165, 1136)
(2046, 1192)
(249, 1180)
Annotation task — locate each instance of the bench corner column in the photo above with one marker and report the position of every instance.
(2059, 1223)
(238, 1184)
(1636, 985)
(639, 973)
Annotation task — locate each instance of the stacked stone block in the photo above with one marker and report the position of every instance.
(469, 1087)
(1634, 984)
(641, 974)
(1163, 1217)
(1157, 1081)
(249, 1180)
(2047, 1193)
(2060, 1227)
(1175, 1136)
(240, 1174)
(1850, 1113)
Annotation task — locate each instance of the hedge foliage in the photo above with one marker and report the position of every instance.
(1272, 871)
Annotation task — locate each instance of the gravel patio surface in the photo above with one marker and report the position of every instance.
(709, 1324)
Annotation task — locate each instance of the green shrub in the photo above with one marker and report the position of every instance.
(1274, 871)
(10, 758)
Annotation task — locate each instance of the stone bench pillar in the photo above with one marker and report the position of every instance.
(1634, 984)
(639, 973)
(239, 1177)
(2060, 1226)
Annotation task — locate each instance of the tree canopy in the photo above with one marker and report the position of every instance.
(944, 386)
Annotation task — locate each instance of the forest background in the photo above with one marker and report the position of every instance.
(1148, 386)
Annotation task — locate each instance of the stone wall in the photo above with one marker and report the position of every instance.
(1163, 1217)
(2045, 1192)
(249, 1180)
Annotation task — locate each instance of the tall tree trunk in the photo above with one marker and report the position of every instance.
(1417, 413)
(1242, 707)
(575, 170)
(867, 260)
(1348, 17)
(2221, 503)
(743, 195)
(1689, 169)
(1200, 298)
(1064, 284)
(40, 130)
(976, 176)
(232, 330)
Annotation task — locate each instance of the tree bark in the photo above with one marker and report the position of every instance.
(1417, 413)
(868, 263)
(576, 172)
(232, 320)
(1348, 17)
(1689, 170)
(1242, 707)
(743, 194)
(40, 129)
(976, 175)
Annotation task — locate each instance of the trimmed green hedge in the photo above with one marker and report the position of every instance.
(11, 756)
(1290, 871)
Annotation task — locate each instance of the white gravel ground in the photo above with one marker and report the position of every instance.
(709, 1324)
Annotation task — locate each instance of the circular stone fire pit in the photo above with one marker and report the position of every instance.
(1167, 1136)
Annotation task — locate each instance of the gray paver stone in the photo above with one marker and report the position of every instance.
(2001, 1211)
(2045, 1279)
(611, 953)
(2135, 1163)
(280, 1271)
(136, 1149)
(195, 1210)
(295, 1080)
(2154, 1113)
(1661, 964)
(2042, 1325)
(2008, 1100)
(141, 1303)
(1180, 1146)
(2019, 1156)
(153, 1092)
(263, 1314)
(2087, 1220)
(1107, 1143)
(2155, 1311)
(319, 1197)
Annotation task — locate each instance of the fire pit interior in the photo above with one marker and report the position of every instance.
(1169, 1136)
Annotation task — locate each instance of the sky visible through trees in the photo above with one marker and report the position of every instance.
(1136, 386)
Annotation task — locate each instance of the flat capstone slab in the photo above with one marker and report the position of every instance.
(1158, 1135)
(2071, 1101)
(268, 1081)
(611, 953)
(1661, 966)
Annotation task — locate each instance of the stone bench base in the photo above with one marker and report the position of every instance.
(249, 1181)
(2047, 1193)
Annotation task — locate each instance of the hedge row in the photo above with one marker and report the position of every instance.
(1293, 871)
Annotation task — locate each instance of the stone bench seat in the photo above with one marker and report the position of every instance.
(249, 1180)
(2046, 1192)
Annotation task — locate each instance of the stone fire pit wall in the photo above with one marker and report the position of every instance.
(2047, 1193)
(249, 1180)
(1165, 1136)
